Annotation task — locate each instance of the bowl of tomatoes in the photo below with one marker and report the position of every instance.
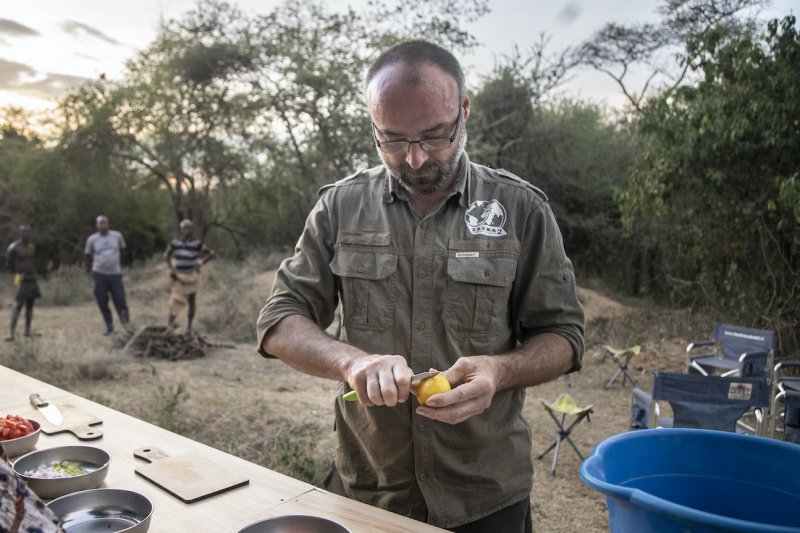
(18, 435)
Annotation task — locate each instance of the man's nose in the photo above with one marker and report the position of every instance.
(416, 156)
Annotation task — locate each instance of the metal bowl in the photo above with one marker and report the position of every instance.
(18, 446)
(295, 524)
(106, 510)
(53, 488)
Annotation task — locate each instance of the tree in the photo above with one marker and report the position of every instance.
(718, 187)
(617, 49)
(569, 149)
(225, 110)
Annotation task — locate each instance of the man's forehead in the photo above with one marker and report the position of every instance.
(397, 79)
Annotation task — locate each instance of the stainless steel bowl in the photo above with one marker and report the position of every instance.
(18, 446)
(106, 510)
(53, 488)
(295, 524)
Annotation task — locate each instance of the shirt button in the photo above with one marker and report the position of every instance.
(421, 428)
(422, 476)
(422, 274)
(361, 268)
(487, 274)
(423, 224)
(420, 325)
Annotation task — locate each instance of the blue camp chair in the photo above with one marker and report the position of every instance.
(791, 417)
(722, 354)
(787, 412)
(704, 402)
(785, 383)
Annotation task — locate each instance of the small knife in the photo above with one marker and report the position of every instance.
(415, 379)
(48, 410)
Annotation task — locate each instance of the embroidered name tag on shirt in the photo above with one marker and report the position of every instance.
(459, 255)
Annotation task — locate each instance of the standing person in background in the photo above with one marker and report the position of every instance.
(103, 251)
(19, 260)
(189, 255)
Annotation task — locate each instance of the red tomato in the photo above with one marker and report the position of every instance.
(14, 427)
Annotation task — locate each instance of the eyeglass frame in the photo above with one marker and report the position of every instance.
(409, 142)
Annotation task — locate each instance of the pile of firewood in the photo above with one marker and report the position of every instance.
(164, 343)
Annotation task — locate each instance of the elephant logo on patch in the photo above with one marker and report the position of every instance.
(486, 217)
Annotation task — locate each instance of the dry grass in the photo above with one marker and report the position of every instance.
(265, 412)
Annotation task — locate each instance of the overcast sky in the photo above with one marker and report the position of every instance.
(48, 46)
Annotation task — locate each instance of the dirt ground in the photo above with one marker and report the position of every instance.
(265, 412)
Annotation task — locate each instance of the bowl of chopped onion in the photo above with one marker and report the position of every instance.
(18, 435)
(62, 470)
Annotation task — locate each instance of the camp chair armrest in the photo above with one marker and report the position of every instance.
(691, 354)
(700, 344)
(786, 364)
(690, 362)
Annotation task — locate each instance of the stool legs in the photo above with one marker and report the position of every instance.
(623, 369)
(563, 434)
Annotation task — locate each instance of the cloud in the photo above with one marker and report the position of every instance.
(12, 74)
(569, 13)
(10, 27)
(21, 78)
(79, 29)
(56, 85)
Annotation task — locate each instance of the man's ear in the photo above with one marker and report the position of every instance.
(465, 105)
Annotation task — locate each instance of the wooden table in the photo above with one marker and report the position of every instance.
(269, 493)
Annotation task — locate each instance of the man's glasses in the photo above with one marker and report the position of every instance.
(433, 144)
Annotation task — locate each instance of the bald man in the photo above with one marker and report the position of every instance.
(103, 252)
(438, 262)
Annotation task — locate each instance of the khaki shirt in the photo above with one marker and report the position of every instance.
(484, 272)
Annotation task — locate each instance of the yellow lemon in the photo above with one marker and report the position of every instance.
(430, 386)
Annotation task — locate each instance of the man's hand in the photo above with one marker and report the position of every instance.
(472, 397)
(380, 379)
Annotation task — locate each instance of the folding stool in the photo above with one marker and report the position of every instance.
(622, 358)
(564, 405)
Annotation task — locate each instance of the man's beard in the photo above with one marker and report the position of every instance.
(428, 178)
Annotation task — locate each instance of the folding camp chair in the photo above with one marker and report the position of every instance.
(787, 411)
(622, 358)
(722, 354)
(563, 406)
(705, 402)
(785, 381)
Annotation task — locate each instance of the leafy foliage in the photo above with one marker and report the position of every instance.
(570, 150)
(717, 188)
(617, 49)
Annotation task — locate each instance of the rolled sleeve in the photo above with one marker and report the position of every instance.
(304, 284)
(545, 296)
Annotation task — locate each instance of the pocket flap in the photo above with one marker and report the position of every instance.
(497, 271)
(364, 238)
(363, 265)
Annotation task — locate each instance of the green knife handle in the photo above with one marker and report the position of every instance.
(351, 396)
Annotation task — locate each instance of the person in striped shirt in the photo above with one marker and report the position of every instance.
(184, 257)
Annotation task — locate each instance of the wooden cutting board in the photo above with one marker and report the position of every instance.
(189, 477)
(76, 421)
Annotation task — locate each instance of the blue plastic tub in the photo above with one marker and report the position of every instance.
(695, 480)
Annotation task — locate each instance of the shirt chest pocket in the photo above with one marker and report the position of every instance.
(478, 291)
(368, 288)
